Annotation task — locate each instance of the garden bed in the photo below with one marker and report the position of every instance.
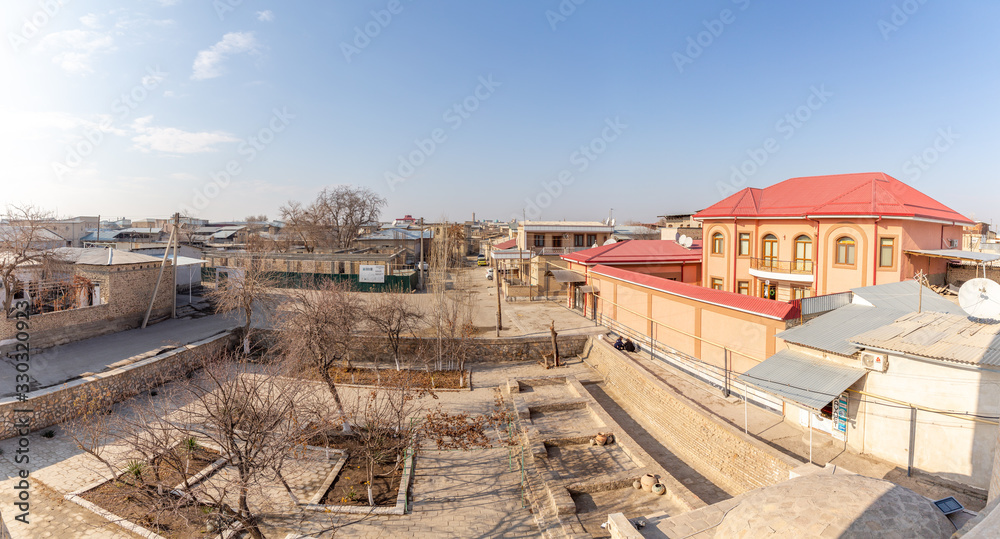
(350, 487)
(163, 512)
(415, 379)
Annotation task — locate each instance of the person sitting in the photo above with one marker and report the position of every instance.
(619, 345)
(629, 345)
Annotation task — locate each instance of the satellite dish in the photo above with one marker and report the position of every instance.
(688, 241)
(980, 298)
(612, 222)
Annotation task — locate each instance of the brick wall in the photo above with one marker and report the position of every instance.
(720, 452)
(55, 405)
(125, 294)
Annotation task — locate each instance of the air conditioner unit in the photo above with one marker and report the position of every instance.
(953, 244)
(874, 362)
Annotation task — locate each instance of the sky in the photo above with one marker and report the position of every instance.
(544, 109)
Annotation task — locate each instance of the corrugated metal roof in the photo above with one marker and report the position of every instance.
(903, 296)
(99, 256)
(637, 251)
(568, 276)
(956, 254)
(807, 381)
(949, 337)
(834, 330)
(869, 193)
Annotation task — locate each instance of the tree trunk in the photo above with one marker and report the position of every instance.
(336, 398)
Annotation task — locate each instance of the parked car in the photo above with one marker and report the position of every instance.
(489, 274)
(482, 261)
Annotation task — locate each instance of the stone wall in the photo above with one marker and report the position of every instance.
(125, 294)
(720, 452)
(55, 405)
(486, 350)
(959, 274)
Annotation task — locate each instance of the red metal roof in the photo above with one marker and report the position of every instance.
(869, 193)
(778, 310)
(509, 244)
(637, 252)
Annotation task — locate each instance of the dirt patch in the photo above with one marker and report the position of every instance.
(391, 377)
(351, 485)
(137, 499)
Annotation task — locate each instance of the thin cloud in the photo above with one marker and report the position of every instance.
(176, 141)
(207, 64)
(265, 16)
(74, 50)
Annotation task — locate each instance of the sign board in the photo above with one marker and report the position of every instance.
(840, 417)
(371, 274)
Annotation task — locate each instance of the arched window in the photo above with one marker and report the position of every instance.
(769, 258)
(718, 243)
(803, 254)
(845, 250)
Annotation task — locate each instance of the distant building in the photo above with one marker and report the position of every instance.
(101, 291)
(825, 234)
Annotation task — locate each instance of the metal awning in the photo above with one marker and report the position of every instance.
(956, 254)
(806, 381)
(568, 276)
(586, 289)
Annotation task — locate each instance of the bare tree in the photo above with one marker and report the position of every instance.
(318, 334)
(248, 291)
(256, 418)
(24, 242)
(392, 314)
(382, 414)
(334, 219)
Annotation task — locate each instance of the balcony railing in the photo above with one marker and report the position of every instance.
(551, 251)
(798, 267)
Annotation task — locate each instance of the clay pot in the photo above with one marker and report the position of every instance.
(648, 481)
(636, 484)
(659, 489)
(601, 438)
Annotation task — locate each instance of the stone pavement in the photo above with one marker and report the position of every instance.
(455, 494)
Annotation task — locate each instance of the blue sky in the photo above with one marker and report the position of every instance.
(548, 109)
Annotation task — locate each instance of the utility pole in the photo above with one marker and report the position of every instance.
(421, 266)
(496, 276)
(176, 234)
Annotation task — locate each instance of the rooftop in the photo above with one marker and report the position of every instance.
(874, 306)
(637, 252)
(101, 256)
(777, 310)
(864, 194)
(944, 336)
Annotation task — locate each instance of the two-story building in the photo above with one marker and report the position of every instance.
(820, 235)
(549, 240)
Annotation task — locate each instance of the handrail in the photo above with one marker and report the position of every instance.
(800, 267)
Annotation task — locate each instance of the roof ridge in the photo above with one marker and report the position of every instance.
(871, 200)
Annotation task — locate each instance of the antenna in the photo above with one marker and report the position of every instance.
(980, 298)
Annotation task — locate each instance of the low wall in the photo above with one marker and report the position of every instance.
(486, 350)
(54, 405)
(723, 454)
